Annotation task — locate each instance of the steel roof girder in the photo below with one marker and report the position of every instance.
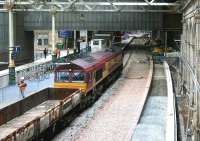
(97, 3)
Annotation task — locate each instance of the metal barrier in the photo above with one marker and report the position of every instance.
(36, 72)
(32, 71)
(38, 56)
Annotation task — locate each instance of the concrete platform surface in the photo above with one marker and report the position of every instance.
(12, 94)
(152, 124)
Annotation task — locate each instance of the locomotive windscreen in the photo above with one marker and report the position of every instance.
(69, 76)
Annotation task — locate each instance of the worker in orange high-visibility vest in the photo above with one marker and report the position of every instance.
(22, 86)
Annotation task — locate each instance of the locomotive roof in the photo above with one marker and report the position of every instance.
(94, 60)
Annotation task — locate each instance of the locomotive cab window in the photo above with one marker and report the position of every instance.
(70, 76)
(62, 76)
(99, 74)
(78, 77)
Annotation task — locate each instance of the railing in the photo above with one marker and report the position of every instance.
(31, 71)
(38, 55)
(37, 72)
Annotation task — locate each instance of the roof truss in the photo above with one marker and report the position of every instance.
(88, 6)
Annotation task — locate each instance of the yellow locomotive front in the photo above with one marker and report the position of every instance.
(69, 76)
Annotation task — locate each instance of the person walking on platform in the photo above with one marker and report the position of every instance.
(58, 53)
(22, 86)
(45, 52)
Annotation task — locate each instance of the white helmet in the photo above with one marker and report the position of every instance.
(21, 78)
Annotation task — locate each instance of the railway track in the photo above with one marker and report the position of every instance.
(73, 131)
(128, 56)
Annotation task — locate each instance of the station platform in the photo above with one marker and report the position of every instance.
(11, 93)
(158, 119)
(36, 62)
(153, 119)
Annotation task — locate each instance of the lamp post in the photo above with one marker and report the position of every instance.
(11, 43)
(74, 41)
(53, 14)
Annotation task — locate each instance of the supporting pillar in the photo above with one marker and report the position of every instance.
(11, 44)
(165, 43)
(74, 41)
(53, 14)
(110, 43)
(83, 37)
(86, 39)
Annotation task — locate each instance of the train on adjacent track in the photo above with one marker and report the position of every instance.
(77, 85)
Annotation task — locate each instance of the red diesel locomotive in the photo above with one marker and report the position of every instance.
(91, 74)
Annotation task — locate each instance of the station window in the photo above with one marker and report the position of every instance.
(99, 74)
(39, 42)
(46, 42)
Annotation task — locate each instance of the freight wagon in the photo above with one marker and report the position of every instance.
(37, 114)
